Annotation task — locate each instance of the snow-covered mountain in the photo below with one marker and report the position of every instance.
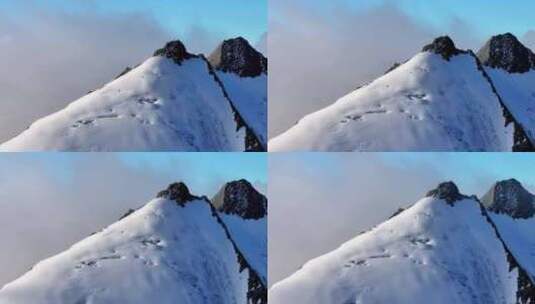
(445, 248)
(244, 211)
(175, 249)
(512, 210)
(174, 101)
(511, 66)
(442, 99)
(243, 71)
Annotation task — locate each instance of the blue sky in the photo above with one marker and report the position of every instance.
(230, 17)
(484, 17)
(203, 172)
(474, 173)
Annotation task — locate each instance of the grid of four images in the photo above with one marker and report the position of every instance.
(267, 151)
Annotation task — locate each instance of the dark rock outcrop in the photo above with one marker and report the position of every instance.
(238, 56)
(507, 53)
(443, 46)
(127, 213)
(447, 191)
(178, 192)
(124, 72)
(174, 50)
(241, 198)
(509, 197)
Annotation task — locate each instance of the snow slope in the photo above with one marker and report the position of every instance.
(249, 95)
(512, 210)
(250, 236)
(440, 250)
(244, 211)
(519, 237)
(518, 93)
(165, 104)
(175, 249)
(430, 103)
(243, 72)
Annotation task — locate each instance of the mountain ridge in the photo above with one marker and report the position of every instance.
(339, 129)
(367, 268)
(157, 234)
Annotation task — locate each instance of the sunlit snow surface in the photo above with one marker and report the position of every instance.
(250, 236)
(426, 104)
(519, 236)
(158, 106)
(518, 93)
(249, 95)
(162, 253)
(430, 253)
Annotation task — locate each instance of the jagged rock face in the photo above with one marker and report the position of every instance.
(447, 191)
(239, 57)
(178, 192)
(443, 46)
(240, 198)
(174, 50)
(511, 198)
(506, 52)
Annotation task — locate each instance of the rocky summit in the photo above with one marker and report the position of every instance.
(178, 192)
(508, 53)
(443, 46)
(509, 197)
(174, 50)
(241, 198)
(447, 191)
(238, 56)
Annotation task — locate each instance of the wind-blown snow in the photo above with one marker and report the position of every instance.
(251, 238)
(249, 95)
(519, 236)
(158, 106)
(162, 253)
(426, 104)
(518, 93)
(430, 253)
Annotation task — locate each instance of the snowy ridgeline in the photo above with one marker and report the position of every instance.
(175, 249)
(174, 101)
(439, 250)
(443, 99)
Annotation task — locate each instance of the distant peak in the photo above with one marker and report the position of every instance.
(238, 56)
(506, 52)
(447, 191)
(240, 198)
(175, 50)
(178, 192)
(443, 46)
(509, 197)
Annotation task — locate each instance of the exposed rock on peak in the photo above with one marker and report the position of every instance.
(238, 56)
(510, 197)
(241, 198)
(178, 192)
(508, 53)
(443, 46)
(174, 50)
(447, 191)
